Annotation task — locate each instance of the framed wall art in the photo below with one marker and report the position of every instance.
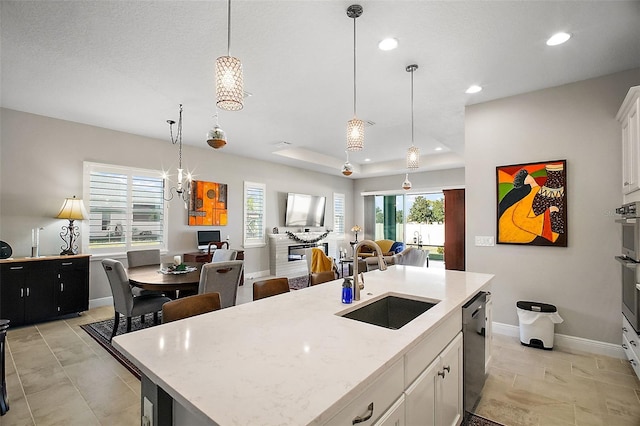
(208, 203)
(532, 204)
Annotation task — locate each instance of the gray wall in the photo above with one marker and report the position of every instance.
(42, 162)
(575, 122)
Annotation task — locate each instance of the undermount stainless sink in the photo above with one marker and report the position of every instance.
(391, 312)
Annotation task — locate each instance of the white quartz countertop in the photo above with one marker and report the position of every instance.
(290, 359)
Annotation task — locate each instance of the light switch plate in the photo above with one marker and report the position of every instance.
(484, 241)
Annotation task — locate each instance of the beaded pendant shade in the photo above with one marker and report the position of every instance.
(229, 78)
(413, 153)
(355, 126)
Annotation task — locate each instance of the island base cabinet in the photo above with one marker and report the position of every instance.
(366, 408)
(435, 397)
(395, 416)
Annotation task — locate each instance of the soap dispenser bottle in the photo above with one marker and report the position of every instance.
(347, 290)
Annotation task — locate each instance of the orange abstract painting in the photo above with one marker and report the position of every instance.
(208, 203)
(532, 204)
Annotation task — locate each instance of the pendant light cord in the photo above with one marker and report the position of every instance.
(229, 28)
(412, 107)
(354, 66)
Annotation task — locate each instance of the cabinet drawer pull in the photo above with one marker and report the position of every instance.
(61, 286)
(27, 291)
(633, 343)
(624, 329)
(67, 263)
(16, 268)
(367, 416)
(441, 373)
(624, 346)
(448, 368)
(633, 362)
(22, 292)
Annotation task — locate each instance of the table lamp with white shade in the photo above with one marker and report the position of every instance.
(72, 209)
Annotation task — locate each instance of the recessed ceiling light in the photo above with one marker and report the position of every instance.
(439, 148)
(367, 159)
(388, 44)
(558, 38)
(473, 89)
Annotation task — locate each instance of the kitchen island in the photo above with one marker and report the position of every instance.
(292, 359)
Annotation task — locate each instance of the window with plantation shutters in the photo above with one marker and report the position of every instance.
(125, 207)
(254, 214)
(338, 214)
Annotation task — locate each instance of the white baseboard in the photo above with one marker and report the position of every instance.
(568, 342)
(257, 274)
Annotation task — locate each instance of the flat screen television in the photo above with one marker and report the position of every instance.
(205, 237)
(304, 210)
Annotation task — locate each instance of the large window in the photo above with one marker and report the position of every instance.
(254, 214)
(338, 214)
(126, 209)
(412, 218)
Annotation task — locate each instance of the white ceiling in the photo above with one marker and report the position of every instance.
(127, 65)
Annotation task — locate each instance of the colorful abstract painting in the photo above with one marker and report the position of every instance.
(532, 204)
(208, 203)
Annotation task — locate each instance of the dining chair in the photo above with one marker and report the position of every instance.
(322, 277)
(144, 258)
(190, 306)
(319, 262)
(124, 302)
(223, 278)
(223, 255)
(270, 287)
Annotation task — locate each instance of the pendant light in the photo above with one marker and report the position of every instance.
(347, 168)
(413, 154)
(355, 126)
(216, 137)
(406, 185)
(229, 79)
(180, 190)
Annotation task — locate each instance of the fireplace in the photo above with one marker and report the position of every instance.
(297, 252)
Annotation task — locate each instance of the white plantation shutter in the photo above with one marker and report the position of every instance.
(254, 214)
(338, 214)
(125, 207)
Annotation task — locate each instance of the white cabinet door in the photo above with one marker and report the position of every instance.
(449, 385)
(629, 118)
(420, 399)
(435, 398)
(395, 416)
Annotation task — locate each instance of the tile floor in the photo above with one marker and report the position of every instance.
(58, 375)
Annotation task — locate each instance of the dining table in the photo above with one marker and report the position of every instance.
(158, 278)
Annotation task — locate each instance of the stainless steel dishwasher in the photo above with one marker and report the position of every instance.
(473, 342)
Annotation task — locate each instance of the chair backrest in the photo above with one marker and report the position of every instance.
(270, 287)
(322, 277)
(223, 255)
(223, 278)
(120, 288)
(317, 261)
(190, 306)
(143, 257)
(411, 257)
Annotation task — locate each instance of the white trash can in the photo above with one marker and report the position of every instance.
(537, 321)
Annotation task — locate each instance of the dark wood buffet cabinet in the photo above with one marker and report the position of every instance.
(36, 289)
